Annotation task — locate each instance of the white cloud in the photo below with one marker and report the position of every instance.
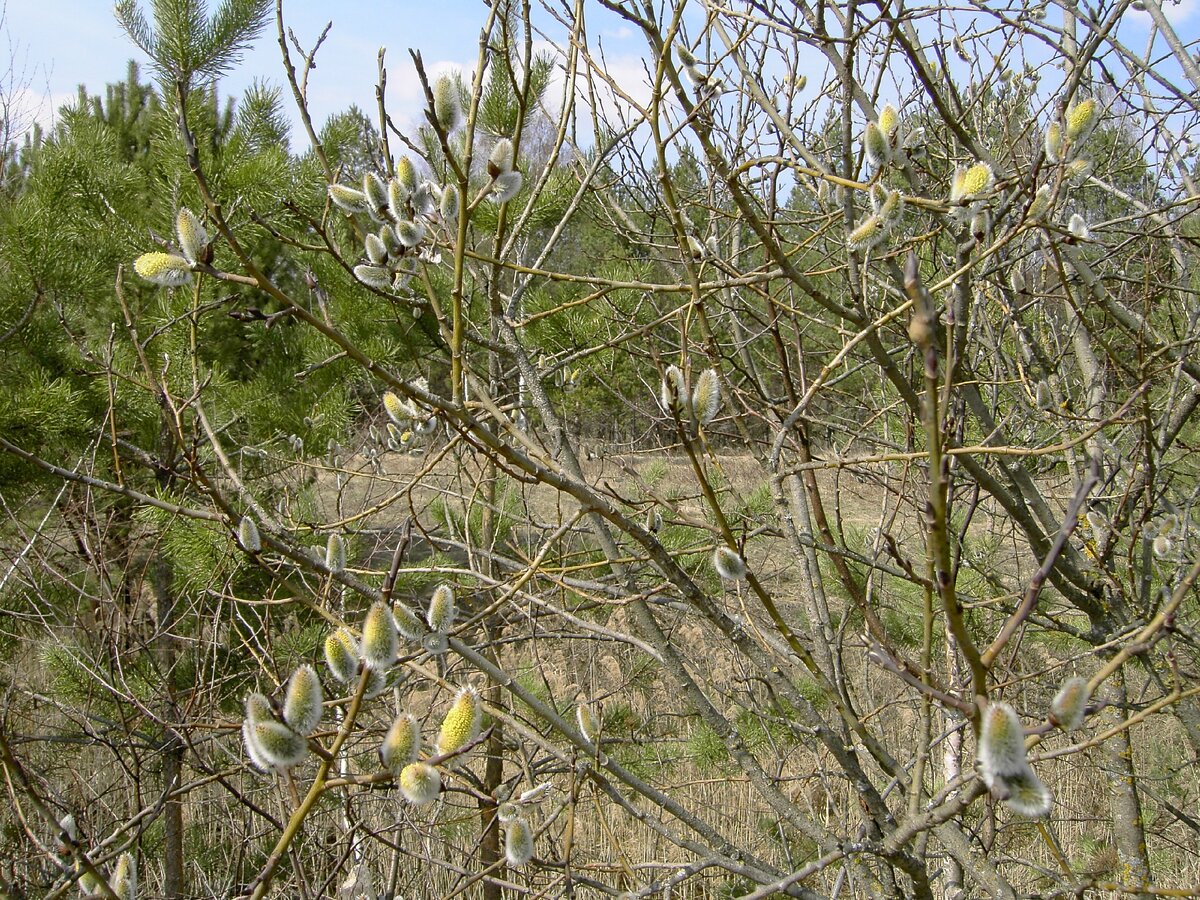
(25, 107)
(1176, 11)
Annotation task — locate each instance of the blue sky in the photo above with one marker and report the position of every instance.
(59, 44)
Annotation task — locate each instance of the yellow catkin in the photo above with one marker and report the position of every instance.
(380, 643)
(461, 724)
(401, 744)
(889, 120)
(192, 236)
(1080, 119)
(164, 269)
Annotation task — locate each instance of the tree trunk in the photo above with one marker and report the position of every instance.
(172, 748)
(1129, 834)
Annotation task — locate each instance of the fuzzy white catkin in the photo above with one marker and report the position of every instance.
(165, 269)
(407, 622)
(377, 251)
(123, 882)
(500, 160)
(420, 783)
(1163, 545)
(442, 609)
(461, 723)
(302, 706)
(1069, 707)
(380, 644)
(876, 146)
(507, 186)
(406, 176)
(409, 233)
(397, 194)
(706, 396)
(248, 535)
(341, 655)
(376, 194)
(335, 553)
(275, 743)
(257, 759)
(449, 204)
(589, 725)
(518, 842)
(192, 236)
(347, 198)
(447, 105)
(1001, 761)
(507, 812)
(373, 276)
(401, 744)
(258, 707)
(729, 564)
(535, 794)
(673, 392)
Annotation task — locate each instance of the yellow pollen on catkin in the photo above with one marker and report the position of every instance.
(165, 269)
(461, 724)
(1080, 119)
